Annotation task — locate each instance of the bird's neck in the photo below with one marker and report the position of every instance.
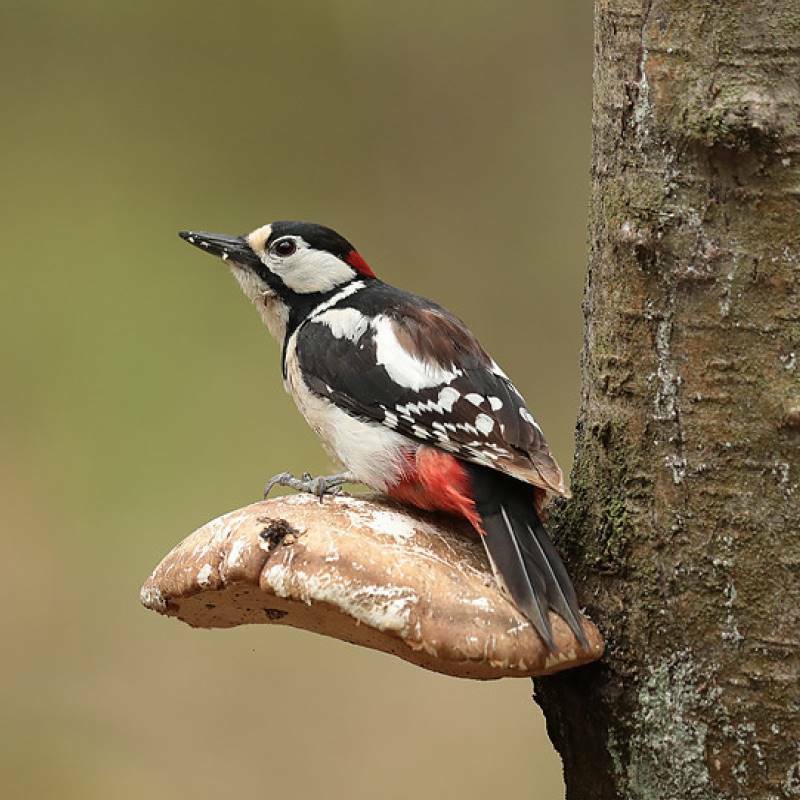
(284, 312)
(275, 314)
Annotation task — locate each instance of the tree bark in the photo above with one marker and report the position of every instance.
(682, 534)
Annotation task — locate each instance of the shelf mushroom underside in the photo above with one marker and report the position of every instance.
(361, 570)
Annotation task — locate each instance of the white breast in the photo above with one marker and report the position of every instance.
(373, 453)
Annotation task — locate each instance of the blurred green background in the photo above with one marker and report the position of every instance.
(141, 396)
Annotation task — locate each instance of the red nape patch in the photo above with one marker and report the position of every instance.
(437, 481)
(354, 259)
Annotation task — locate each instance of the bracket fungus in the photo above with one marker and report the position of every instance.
(362, 570)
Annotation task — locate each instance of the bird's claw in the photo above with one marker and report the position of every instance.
(281, 479)
(319, 486)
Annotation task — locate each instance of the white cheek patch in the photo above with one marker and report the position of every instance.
(310, 270)
(344, 323)
(404, 368)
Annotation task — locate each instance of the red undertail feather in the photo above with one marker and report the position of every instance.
(437, 481)
(504, 511)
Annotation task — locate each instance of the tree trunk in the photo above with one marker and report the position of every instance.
(683, 532)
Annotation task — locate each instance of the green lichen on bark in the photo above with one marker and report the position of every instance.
(682, 529)
(668, 700)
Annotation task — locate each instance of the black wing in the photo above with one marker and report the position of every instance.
(398, 359)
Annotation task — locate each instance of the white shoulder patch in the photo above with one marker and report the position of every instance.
(404, 368)
(311, 270)
(344, 323)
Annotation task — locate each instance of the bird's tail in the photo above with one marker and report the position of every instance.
(523, 558)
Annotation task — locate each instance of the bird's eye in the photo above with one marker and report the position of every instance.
(285, 247)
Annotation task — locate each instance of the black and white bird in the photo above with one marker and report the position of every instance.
(406, 399)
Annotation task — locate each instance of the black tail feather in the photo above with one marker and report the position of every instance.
(522, 555)
(560, 592)
(527, 589)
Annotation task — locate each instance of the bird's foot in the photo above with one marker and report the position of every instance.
(319, 486)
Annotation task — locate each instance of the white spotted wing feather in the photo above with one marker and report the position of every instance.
(418, 370)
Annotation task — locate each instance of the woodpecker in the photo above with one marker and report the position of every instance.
(404, 397)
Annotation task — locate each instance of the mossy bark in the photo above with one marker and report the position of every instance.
(683, 534)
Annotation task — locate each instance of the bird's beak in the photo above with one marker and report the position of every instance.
(234, 248)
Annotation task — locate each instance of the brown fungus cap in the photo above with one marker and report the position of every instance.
(364, 571)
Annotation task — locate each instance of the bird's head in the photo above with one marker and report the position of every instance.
(293, 263)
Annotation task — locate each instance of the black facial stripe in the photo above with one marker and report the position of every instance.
(271, 279)
(300, 304)
(300, 307)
